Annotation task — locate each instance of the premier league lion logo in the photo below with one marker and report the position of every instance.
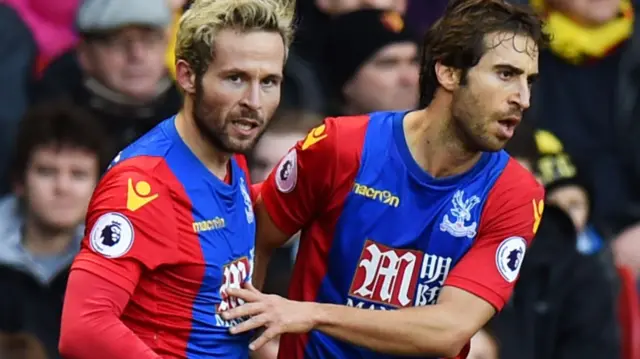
(514, 259)
(285, 172)
(111, 234)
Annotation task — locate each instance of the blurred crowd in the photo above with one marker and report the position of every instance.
(81, 79)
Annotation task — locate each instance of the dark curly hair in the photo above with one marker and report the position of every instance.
(62, 124)
(457, 38)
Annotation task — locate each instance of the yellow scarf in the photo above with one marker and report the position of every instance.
(171, 48)
(576, 43)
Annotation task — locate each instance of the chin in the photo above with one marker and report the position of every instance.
(240, 146)
(492, 146)
(62, 223)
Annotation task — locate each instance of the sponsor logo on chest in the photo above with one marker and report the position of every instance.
(388, 278)
(234, 274)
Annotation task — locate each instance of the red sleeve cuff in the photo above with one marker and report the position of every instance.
(477, 289)
(124, 275)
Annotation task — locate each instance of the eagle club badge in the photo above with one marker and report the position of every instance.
(248, 205)
(456, 225)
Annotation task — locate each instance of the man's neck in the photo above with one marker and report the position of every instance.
(43, 242)
(434, 145)
(215, 160)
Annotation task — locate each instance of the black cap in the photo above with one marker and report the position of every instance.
(356, 36)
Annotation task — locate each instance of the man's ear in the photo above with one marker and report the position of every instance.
(448, 77)
(185, 77)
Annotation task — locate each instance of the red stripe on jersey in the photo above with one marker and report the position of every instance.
(512, 209)
(165, 247)
(328, 161)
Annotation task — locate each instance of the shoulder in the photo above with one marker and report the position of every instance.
(516, 200)
(334, 133)
(141, 181)
(335, 145)
(155, 143)
(516, 181)
(148, 167)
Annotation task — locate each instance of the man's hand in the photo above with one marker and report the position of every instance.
(278, 315)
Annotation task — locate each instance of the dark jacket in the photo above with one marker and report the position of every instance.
(564, 304)
(31, 294)
(31, 307)
(17, 62)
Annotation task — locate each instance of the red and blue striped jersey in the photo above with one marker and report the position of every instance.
(380, 233)
(193, 235)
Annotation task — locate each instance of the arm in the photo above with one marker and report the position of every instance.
(441, 329)
(124, 238)
(477, 287)
(295, 191)
(94, 305)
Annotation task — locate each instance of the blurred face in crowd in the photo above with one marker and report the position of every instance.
(573, 200)
(57, 187)
(388, 81)
(269, 150)
(130, 61)
(488, 101)
(587, 12)
(237, 95)
(336, 7)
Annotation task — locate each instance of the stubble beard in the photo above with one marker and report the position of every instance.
(472, 135)
(214, 130)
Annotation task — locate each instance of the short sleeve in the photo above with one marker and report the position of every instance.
(509, 222)
(130, 220)
(300, 185)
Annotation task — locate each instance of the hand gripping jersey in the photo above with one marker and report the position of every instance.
(380, 233)
(192, 233)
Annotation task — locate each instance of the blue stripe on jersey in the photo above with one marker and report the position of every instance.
(211, 198)
(223, 249)
(393, 246)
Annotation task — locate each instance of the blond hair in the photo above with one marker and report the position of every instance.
(206, 18)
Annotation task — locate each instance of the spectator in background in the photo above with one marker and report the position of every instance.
(422, 14)
(21, 346)
(51, 25)
(315, 16)
(118, 70)
(565, 304)
(59, 156)
(18, 52)
(566, 190)
(372, 57)
(588, 96)
(306, 72)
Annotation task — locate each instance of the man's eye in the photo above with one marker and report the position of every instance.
(506, 74)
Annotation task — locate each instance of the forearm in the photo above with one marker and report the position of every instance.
(91, 325)
(109, 338)
(426, 330)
